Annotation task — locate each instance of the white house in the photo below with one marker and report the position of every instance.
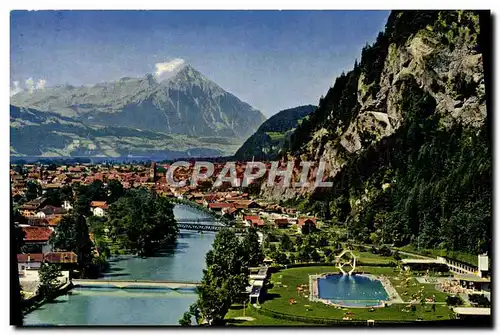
(67, 205)
(99, 208)
(261, 237)
(97, 211)
(29, 261)
(40, 215)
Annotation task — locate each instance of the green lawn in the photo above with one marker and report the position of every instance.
(259, 319)
(279, 295)
(413, 286)
(368, 257)
(275, 136)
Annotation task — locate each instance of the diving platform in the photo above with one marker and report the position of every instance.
(342, 261)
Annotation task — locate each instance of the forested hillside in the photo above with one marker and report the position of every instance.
(406, 137)
(268, 141)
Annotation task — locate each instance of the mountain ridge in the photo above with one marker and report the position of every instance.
(187, 103)
(46, 134)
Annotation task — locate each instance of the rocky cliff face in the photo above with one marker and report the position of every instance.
(406, 138)
(440, 55)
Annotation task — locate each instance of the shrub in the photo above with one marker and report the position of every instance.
(479, 300)
(385, 251)
(452, 300)
(396, 256)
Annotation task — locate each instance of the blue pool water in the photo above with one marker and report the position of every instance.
(354, 291)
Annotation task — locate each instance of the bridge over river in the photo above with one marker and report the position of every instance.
(128, 283)
(164, 290)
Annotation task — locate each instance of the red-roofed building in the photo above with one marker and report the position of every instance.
(50, 210)
(305, 225)
(29, 261)
(246, 204)
(258, 223)
(211, 197)
(253, 220)
(53, 220)
(230, 211)
(60, 257)
(36, 221)
(281, 223)
(99, 204)
(34, 261)
(218, 206)
(39, 236)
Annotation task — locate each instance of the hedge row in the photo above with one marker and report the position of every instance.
(327, 321)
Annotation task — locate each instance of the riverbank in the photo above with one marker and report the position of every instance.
(37, 300)
(184, 261)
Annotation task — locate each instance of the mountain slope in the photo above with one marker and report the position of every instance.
(35, 133)
(188, 104)
(268, 140)
(405, 137)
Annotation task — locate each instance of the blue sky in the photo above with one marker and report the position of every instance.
(271, 59)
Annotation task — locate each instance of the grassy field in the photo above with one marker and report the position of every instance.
(285, 281)
(275, 136)
(368, 257)
(259, 319)
(413, 286)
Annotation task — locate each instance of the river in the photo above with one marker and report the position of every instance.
(99, 306)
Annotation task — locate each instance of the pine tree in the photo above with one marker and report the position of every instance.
(48, 276)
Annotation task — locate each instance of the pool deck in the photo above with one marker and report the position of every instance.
(394, 297)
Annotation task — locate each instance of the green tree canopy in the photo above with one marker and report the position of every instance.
(48, 274)
(115, 190)
(142, 223)
(33, 190)
(224, 278)
(72, 234)
(286, 242)
(252, 249)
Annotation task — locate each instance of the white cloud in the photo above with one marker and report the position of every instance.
(40, 85)
(15, 88)
(165, 69)
(30, 84)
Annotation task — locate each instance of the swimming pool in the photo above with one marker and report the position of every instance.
(352, 291)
